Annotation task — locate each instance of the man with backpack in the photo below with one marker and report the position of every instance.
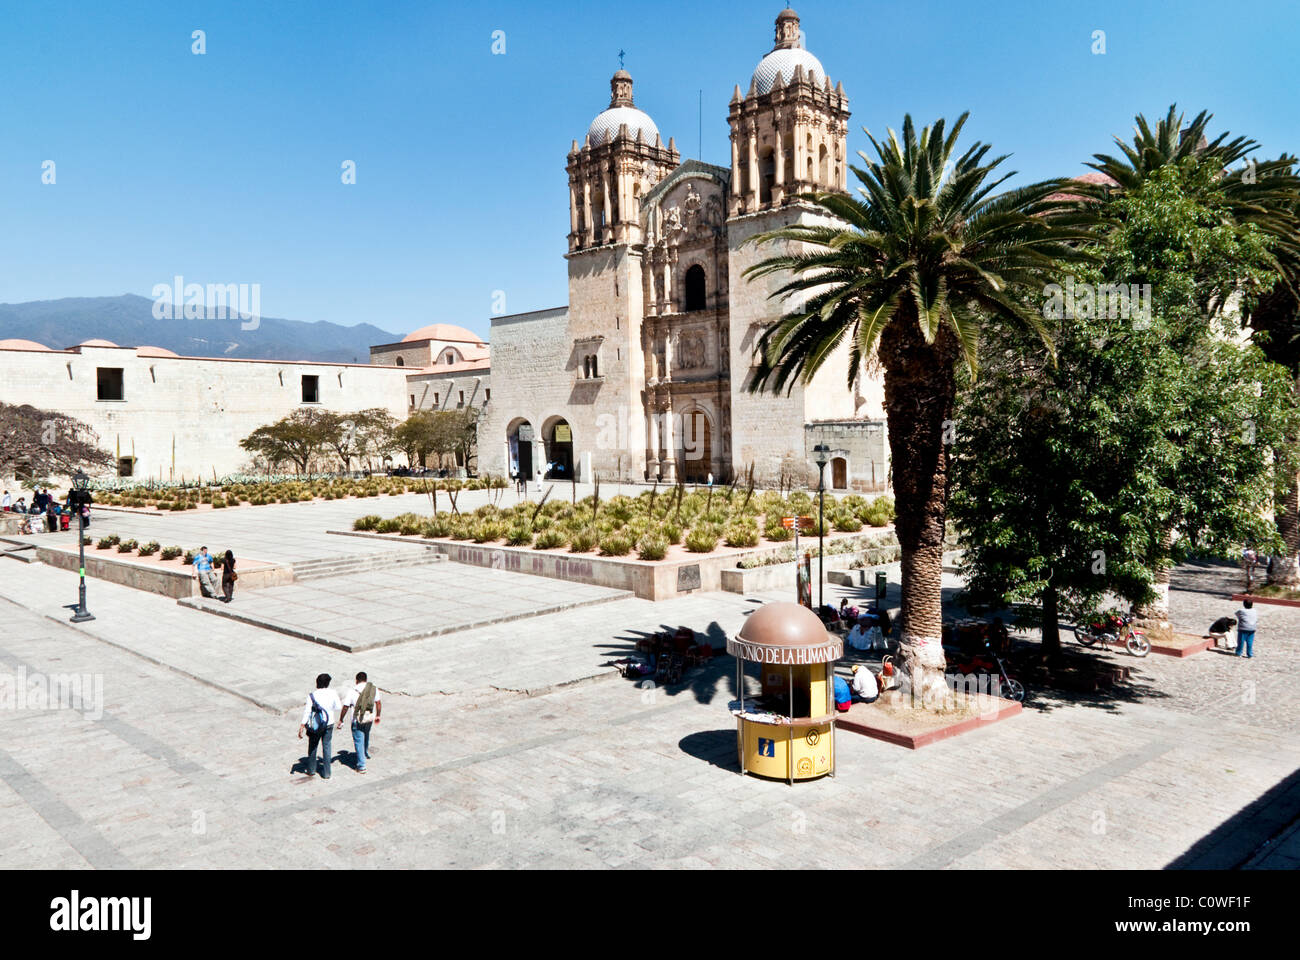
(318, 721)
(365, 704)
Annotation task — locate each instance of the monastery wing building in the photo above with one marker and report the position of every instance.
(643, 375)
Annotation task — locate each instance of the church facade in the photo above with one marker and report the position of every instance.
(644, 375)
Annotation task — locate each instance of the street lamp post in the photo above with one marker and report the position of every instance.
(81, 499)
(822, 456)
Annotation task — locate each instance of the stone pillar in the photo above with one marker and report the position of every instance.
(589, 227)
(735, 173)
(539, 461)
(652, 430)
(668, 466)
(573, 211)
(608, 232)
(778, 188)
(753, 167)
(668, 284)
(648, 282)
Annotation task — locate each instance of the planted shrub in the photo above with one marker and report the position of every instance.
(189, 557)
(652, 547)
(369, 522)
(170, 553)
(126, 546)
(550, 539)
(847, 522)
(519, 535)
(149, 548)
(702, 539)
(584, 540)
(390, 525)
(485, 531)
(741, 533)
(112, 540)
(672, 532)
(615, 545)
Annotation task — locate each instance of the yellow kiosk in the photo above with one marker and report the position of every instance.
(788, 732)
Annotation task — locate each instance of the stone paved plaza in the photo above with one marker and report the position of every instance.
(514, 744)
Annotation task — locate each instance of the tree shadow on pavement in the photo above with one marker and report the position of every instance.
(718, 747)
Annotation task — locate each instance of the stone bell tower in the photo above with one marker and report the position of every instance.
(620, 160)
(789, 132)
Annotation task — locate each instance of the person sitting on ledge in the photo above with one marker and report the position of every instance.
(865, 686)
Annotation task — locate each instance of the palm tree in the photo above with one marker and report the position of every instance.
(915, 267)
(1266, 194)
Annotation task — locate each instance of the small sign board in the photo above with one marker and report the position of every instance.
(688, 577)
(563, 434)
(526, 431)
(805, 523)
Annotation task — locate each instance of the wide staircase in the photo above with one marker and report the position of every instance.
(408, 556)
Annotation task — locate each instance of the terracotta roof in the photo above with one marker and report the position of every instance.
(442, 331)
(24, 345)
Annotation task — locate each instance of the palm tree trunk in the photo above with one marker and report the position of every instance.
(920, 387)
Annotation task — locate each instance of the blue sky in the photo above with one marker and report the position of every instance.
(225, 167)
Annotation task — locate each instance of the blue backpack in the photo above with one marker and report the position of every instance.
(319, 719)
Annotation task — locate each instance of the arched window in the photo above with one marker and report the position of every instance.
(401, 362)
(696, 298)
(825, 166)
(595, 371)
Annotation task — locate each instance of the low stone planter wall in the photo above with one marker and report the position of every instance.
(648, 579)
(175, 582)
(777, 575)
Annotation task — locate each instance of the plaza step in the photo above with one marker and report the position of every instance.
(383, 560)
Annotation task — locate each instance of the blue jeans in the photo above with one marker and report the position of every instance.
(361, 742)
(1246, 642)
(326, 739)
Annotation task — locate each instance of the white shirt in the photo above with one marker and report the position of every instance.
(7, 501)
(329, 702)
(864, 684)
(858, 637)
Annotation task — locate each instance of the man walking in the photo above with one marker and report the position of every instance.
(364, 699)
(318, 721)
(1246, 622)
(203, 571)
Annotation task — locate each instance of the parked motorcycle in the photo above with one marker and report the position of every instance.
(1114, 628)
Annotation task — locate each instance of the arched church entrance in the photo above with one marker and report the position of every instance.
(839, 474)
(559, 450)
(519, 438)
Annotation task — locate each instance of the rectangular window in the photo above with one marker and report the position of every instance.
(413, 400)
(310, 389)
(487, 394)
(461, 403)
(435, 399)
(126, 466)
(109, 383)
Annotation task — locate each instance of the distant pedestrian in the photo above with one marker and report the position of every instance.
(7, 502)
(203, 571)
(228, 577)
(51, 515)
(1247, 620)
(318, 717)
(365, 704)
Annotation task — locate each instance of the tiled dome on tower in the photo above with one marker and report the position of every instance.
(622, 110)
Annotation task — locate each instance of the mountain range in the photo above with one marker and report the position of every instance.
(128, 321)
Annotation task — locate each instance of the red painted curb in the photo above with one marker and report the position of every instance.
(1010, 709)
(1182, 651)
(1275, 602)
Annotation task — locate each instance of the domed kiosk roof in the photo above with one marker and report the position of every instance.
(441, 331)
(785, 633)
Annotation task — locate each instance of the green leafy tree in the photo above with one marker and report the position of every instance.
(910, 274)
(1149, 437)
(297, 438)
